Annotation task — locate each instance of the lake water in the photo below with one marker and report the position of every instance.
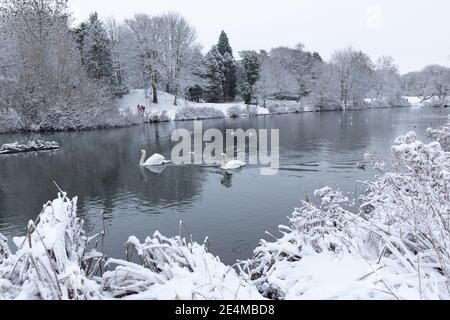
(101, 168)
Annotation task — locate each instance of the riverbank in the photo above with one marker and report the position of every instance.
(393, 248)
(166, 111)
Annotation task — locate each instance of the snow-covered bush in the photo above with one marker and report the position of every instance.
(4, 248)
(437, 103)
(157, 117)
(282, 107)
(314, 230)
(237, 112)
(441, 135)
(174, 269)
(198, 113)
(389, 102)
(409, 215)
(51, 260)
(395, 247)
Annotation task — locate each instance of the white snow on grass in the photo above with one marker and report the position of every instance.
(165, 110)
(414, 101)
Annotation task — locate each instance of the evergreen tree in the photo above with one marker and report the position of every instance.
(229, 84)
(224, 45)
(215, 75)
(95, 48)
(251, 67)
(316, 57)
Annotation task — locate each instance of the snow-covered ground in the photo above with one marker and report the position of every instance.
(414, 101)
(418, 101)
(165, 110)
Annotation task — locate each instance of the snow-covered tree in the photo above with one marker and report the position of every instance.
(147, 34)
(387, 82)
(215, 75)
(275, 80)
(250, 74)
(179, 55)
(325, 92)
(229, 85)
(299, 63)
(434, 82)
(95, 48)
(354, 73)
(117, 35)
(47, 87)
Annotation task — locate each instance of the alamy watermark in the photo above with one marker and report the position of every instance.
(206, 148)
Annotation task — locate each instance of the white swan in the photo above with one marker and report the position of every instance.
(231, 165)
(154, 160)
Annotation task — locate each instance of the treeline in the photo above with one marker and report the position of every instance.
(55, 76)
(46, 82)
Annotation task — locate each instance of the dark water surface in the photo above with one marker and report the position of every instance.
(101, 168)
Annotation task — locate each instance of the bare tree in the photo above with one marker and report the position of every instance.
(147, 32)
(354, 71)
(178, 53)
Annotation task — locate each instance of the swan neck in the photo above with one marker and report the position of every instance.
(224, 161)
(144, 154)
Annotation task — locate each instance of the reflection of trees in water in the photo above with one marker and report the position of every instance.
(95, 165)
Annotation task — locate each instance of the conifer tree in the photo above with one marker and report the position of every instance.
(229, 84)
(215, 75)
(95, 48)
(251, 66)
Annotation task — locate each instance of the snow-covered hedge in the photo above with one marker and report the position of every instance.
(198, 113)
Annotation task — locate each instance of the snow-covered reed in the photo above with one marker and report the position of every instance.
(51, 261)
(175, 269)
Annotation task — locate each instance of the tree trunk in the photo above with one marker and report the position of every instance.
(155, 92)
(175, 103)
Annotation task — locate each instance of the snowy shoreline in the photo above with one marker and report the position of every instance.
(394, 248)
(166, 111)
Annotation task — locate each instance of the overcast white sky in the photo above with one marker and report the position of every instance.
(414, 32)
